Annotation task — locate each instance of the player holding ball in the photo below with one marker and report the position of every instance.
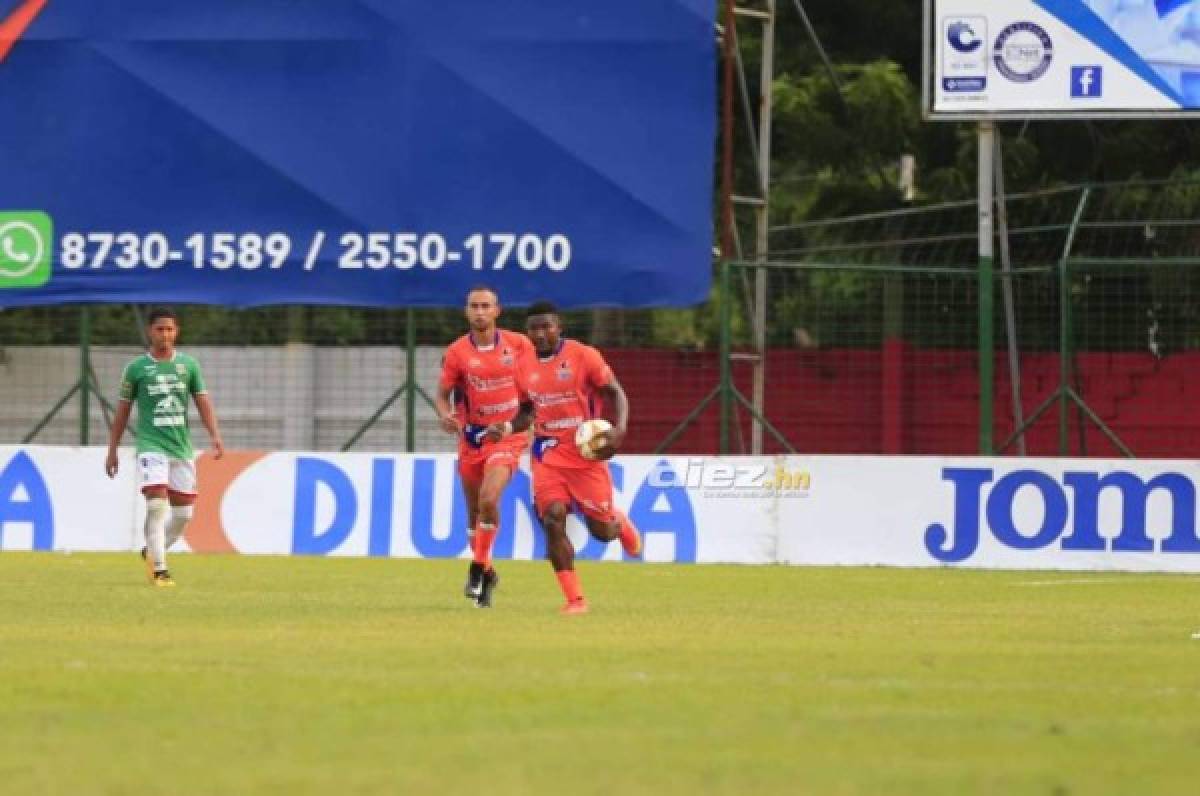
(558, 383)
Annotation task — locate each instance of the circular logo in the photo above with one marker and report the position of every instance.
(962, 37)
(1023, 52)
(21, 249)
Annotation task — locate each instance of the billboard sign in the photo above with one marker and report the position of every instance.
(1061, 58)
(341, 152)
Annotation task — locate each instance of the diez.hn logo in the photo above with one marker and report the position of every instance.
(1087, 82)
(1023, 52)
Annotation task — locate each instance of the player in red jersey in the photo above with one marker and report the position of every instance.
(479, 367)
(558, 383)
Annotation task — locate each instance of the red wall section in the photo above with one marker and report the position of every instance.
(903, 400)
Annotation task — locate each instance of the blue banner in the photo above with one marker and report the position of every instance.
(251, 152)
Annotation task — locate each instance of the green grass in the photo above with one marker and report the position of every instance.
(302, 675)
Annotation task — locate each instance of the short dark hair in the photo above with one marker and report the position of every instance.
(541, 308)
(158, 313)
(476, 288)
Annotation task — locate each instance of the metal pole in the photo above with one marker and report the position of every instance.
(987, 134)
(1064, 325)
(1006, 285)
(726, 347)
(727, 220)
(762, 217)
(85, 370)
(410, 382)
(1064, 356)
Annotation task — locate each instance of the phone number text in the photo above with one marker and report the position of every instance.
(375, 251)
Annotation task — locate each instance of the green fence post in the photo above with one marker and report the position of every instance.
(726, 348)
(85, 371)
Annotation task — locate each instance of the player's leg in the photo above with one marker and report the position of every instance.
(496, 475)
(181, 493)
(562, 557)
(153, 470)
(470, 474)
(551, 499)
(618, 527)
(592, 490)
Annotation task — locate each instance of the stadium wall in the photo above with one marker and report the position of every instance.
(898, 399)
(1069, 514)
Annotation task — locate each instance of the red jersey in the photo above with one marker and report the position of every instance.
(484, 376)
(562, 388)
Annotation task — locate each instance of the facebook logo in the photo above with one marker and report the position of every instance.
(1087, 81)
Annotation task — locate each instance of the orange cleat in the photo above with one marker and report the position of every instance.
(631, 540)
(579, 606)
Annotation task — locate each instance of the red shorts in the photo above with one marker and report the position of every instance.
(506, 453)
(590, 489)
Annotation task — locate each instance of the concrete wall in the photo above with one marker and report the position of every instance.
(293, 397)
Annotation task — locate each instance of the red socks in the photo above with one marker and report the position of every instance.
(569, 581)
(482, 542)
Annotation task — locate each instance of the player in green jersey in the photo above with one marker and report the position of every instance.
(160, 382)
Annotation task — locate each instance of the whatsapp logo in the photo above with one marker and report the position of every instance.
(26, 245)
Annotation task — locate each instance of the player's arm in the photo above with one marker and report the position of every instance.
(599, 377)
(445, 410)
(616, 411)
(520, 423)
(120, 421)
(199, 391)
(441, 399)
(209, 418)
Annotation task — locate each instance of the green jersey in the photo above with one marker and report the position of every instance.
(160, 390)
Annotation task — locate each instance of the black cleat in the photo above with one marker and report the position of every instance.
(490, 581)
(474, 585)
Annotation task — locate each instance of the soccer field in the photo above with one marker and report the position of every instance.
(316, 675)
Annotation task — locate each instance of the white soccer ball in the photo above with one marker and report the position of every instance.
(585, 436)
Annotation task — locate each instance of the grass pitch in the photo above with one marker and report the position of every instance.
(302, 675)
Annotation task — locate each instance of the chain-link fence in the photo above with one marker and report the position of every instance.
(872, 345)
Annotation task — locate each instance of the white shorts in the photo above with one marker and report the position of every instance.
(177, 475)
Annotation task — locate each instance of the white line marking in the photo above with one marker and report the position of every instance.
(1078, 581)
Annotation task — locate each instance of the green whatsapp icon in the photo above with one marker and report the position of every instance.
(26, 246)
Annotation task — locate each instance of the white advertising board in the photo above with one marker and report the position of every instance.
(1002, 513)
(1090, 58)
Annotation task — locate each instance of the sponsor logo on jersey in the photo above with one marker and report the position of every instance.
(495, 409)
(552, 398)
(486, 385)
(562, 423)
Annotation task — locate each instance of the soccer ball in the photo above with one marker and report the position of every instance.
(585, 436)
